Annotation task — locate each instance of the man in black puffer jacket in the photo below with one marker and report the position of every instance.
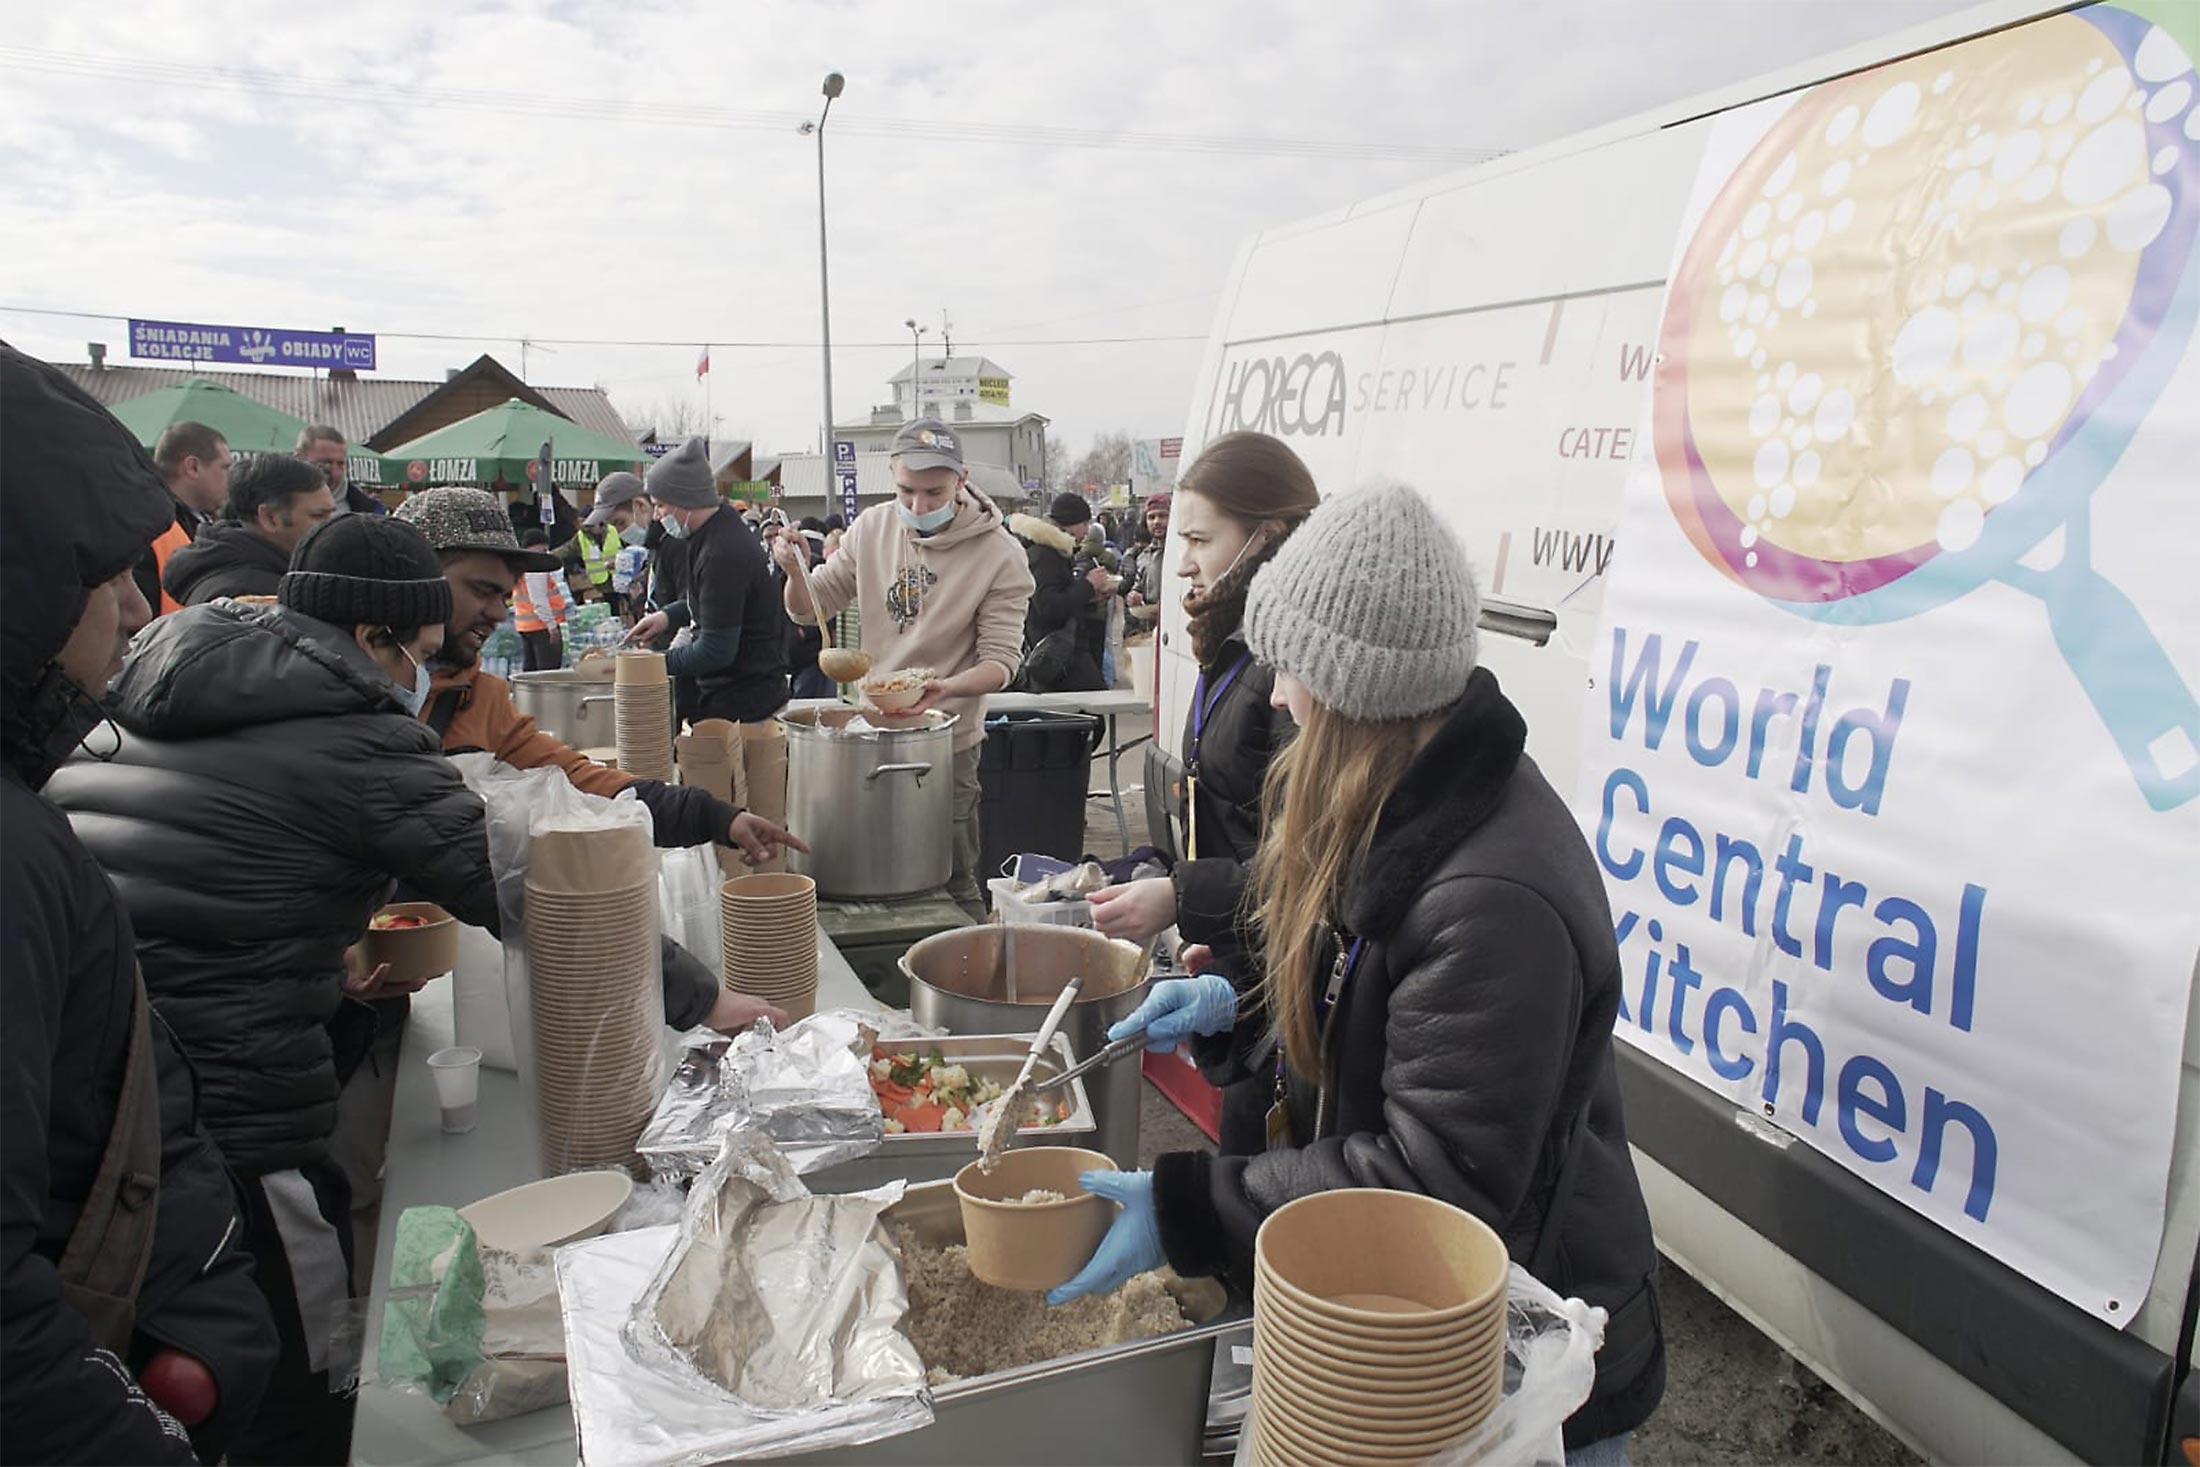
(79, 504)
(270, 786)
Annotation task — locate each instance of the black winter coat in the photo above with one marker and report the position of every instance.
(1060, 598)
(64, 1035)
(1474, 1029)
(269, 789)
(226, 559)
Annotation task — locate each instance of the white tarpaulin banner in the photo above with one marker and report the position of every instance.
(1892, 752)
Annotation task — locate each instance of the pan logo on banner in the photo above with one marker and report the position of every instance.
(1892, 748)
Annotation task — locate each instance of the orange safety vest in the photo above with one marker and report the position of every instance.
(167, 543)
(531, 615)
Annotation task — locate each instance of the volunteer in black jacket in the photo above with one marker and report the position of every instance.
(79, 503)
(1469, 1051)
(736, 665)
(1235, 507)
(1061, 599)
(270, 786)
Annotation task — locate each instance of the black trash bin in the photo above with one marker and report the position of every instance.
(1034, 771)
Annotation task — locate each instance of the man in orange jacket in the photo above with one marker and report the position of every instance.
(194, 462)
(473, 709)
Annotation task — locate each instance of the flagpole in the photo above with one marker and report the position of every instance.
(710, 423)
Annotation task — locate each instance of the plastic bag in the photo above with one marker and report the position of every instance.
(1550, 1367)
(476, 1330)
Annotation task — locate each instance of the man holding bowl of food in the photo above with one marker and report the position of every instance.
(942, 587)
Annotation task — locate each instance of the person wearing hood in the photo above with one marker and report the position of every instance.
(942, 588)
(270, 785)
(1064, 644)
(274, 503)
(130, 1329)
(736, 665)
(1439, 974)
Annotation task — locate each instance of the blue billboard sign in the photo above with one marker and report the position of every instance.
(253, 346)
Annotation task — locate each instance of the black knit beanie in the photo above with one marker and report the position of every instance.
(367, 570)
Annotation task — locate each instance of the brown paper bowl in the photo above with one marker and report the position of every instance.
(1441, 1256)
(1453, 1405)
(638, 668)
(1411, 1332)
(745, 891)
(1032, 1248)
(1426, 1383)
(1409, 1393)
(415, 954)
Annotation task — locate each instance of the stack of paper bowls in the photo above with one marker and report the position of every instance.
(768, 931)
(1378, 1328)
(642, 715)
(594, 1001)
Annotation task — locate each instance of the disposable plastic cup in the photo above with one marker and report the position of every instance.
(457, 1072)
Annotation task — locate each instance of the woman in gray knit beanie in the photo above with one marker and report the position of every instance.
(1439, 974)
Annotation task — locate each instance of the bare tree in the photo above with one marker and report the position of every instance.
(1057, 464)
(1107, 462)
(672, 418)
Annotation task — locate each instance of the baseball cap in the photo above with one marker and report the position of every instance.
(928, 443)
(470, 519)
(615, 490)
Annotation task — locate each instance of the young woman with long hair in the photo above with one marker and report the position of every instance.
(1234, 508)
(1440, 975)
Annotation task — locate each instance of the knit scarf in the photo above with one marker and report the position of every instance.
(1216, 613)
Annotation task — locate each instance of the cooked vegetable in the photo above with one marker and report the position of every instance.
(923, 1092)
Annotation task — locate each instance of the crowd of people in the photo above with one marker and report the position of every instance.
(228, 697)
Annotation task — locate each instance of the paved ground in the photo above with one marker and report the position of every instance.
(1732, 1396)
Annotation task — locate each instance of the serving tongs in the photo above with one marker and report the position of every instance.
(1107, 1054)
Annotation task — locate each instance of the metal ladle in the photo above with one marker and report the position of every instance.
(841, 664)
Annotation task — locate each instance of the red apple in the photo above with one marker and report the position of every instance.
(181, 1386)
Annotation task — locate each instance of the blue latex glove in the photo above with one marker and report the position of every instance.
(1133, 1243)
(1178, 1008)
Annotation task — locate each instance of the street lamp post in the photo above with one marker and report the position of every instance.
(916, 362)
(834, 85)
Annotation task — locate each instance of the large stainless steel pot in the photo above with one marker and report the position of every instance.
(877, 807)
(572, 707)
(1002, 980)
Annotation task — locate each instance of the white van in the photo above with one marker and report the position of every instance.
(1772, 422)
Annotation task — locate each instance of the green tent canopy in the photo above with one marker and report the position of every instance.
(251, 427)
(499, 445)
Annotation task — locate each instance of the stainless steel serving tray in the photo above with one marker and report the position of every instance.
(928, 1156)
(1141, 1402)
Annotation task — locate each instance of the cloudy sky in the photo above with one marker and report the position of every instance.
(1054, 177)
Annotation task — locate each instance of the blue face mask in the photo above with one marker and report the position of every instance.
(634, 534)
(931, 520)
(675, 529)
(416, 696)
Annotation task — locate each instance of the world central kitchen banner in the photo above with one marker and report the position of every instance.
(1892, 756)
(258, 346)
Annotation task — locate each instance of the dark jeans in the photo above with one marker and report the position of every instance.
(308, 1287)
(542, 651)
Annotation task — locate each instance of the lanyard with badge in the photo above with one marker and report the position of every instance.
(1203, 707)
(1325, 1009)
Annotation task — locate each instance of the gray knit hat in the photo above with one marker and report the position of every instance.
(1372, 605)
(683, 478)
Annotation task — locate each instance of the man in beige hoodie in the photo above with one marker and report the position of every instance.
(942, 586)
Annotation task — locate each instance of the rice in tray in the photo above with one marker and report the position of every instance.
(963, 1328)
